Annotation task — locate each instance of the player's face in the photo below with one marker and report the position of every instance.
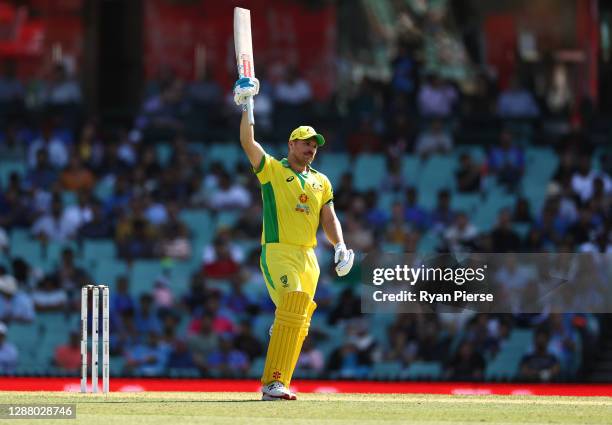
(304, 150)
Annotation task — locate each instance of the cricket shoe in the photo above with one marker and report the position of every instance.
(276, 391)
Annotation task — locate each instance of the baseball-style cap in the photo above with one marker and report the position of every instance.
(305, 132)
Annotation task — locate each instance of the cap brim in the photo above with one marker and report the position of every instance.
(320, 139)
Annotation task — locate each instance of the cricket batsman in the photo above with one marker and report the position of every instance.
(296, 198)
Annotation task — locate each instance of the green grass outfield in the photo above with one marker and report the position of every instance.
(244, 408)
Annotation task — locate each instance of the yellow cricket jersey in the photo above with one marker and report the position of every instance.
(292, 202)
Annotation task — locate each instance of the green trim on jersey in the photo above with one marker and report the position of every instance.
(261, 165)
(269, 213)
(301, 176)
(264, 266)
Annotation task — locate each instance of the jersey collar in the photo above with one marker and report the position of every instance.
(285, 163)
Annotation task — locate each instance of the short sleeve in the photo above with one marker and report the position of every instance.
(264, 169)
(328, 192)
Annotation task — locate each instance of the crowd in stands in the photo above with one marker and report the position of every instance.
(82, 181)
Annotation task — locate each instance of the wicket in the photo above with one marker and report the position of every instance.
(95, 296)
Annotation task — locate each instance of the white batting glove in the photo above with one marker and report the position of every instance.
(343, 258)
(245, 88)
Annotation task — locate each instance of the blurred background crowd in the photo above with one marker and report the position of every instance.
(451, 127)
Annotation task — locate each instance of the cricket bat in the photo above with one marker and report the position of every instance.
(243, 45)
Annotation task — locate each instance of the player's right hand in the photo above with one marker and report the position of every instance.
(245, 88)
(343, 258)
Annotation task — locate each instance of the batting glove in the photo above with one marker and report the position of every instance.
(343, 259)
(245, 88)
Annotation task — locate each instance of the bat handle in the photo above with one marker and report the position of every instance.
(250, 111)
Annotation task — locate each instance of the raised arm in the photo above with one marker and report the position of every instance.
(253, 150)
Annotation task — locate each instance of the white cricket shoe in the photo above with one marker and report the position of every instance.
(276, 391)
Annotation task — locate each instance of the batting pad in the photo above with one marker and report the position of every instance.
(286, 340)
(303, 334)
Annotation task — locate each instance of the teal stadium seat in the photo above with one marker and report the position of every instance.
(228, 154)
(9, 167)
(99, 248)
(411, 167)
(506, 364)
(386, 370)
(333, 165)
(423, 370)
(369, 171)
(200, 224)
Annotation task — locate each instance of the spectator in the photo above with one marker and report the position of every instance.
(345, 192)
(461, 235)
(135, 237)
(443, 216)
(79, 214)
(121, 299)
(505, 239)
(4, 242)
(435, 140)
(165, 110)
(15, 304)
(162, 296)
(522, 211)
(203, 343)
(62, 90)
(145, 319)
(517, 102)
(293, 90)
(347, 362)
(175, 236)
(467, 176)
(197, 293)
(11, 89)
(247, 343)
(42, 176)
(248, 225)
(180, 357)
(227, 360)
(357, 234)
(583, 179)
(12, 146)
(375, 216)
(76, 177)
(347, 307)
(397, 230)
(506, 161)
(53, 227)
(364, 139)
(48, 296)
(436, 98)
(541, 364)
(401, 350)
(229, 195)
(414, 214)
(9, 356)
(236, 300)
(69, 275)
(311, 358)
(57, 153)
(466, 365)
(97, 226)
(148, 358)
(68, 356)
(221, 264)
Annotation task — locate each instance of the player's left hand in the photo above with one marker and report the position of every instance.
(343, 258)
(245, 88)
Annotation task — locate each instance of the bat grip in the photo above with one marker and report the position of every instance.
(250, 111)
